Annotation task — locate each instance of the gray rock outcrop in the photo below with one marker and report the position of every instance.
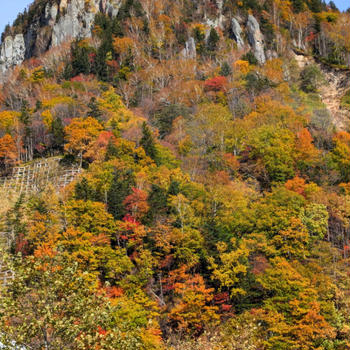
(75, 23)
(270, 54)
(12, 52)
(111, 7)
(63, 20)
(237, 32)
(59, 22)
(78, 18)
(189, 50)
(256, 39)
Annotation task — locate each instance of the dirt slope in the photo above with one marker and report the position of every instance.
(337, 82)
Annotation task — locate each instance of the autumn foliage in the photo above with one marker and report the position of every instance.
(215, 84)
(207, 199)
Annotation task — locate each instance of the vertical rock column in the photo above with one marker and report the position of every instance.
(237, 32)
(189, 50)
(256, 39)
(12, 52)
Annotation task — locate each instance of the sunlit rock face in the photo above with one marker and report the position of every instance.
(237, 32)
(58, 23)
(256, 39)
(76, 22)
(189, 50)
(12, 52)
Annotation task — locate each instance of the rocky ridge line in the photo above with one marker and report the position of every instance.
(69, 19)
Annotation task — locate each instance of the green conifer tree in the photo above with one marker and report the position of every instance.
(148, 143)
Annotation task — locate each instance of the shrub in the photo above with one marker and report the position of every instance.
(215, 84)
(249, 56)
(311, 78)
(225, 69)
(345, 100)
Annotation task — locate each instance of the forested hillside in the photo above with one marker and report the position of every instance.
(207, 199)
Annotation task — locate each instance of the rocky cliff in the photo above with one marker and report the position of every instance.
(62, 20)
(12, 52)
(256, 39)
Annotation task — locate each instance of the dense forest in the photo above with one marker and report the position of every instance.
(212, 208)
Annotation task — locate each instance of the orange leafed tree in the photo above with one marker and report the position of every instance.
(192, 310)
(304, 146)
(97, 151)
(297, 184)
(136, 203)
(8, 152)
(341, 154)
(123, 46)
(80, 135)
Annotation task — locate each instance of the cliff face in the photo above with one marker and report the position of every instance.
(49, 23)
(64, 20)
(59, 22)
(78, 18)
(12, 52)
(256, 39)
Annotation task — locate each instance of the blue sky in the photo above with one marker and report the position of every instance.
(342, 4)
(10, 8)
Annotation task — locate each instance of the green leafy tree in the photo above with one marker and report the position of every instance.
(311, 78)
(48, 305)
(315, 218)
(272, 150)
(232, 266)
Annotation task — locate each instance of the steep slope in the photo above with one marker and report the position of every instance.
(49, 24)
(211, 207)
(337, 82)
(35, 177)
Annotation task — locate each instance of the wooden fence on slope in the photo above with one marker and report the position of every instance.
(36, 176)
(28, 179)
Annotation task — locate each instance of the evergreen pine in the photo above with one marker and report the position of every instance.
(157, 201)
(213, 40)
(83, 191)
(120, 188)
(148, 143)
(174, 188)
(94, 110)
(25, 113)
(80, 58)
(225, 69)
(101, 68)
(112, 150)
(57, 131)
